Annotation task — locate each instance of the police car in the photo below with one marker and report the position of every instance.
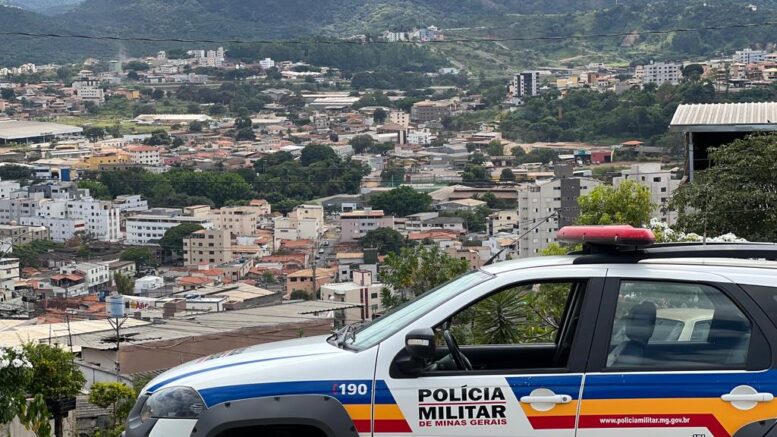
(549, 346)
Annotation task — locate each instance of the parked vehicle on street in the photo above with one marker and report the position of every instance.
(623, 338)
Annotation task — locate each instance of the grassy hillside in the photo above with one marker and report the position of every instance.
(294, 19)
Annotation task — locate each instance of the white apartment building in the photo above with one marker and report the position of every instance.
(266, 64)
(64, 217)
(147, 283)
(147, 228)
(305, 222)
(130, 203)
(96, 276)
(661, 184)
(9, 274)
(60, 229)
(750, 56)
(89, 89)
(503, 221)
(660, 72)
(362, 290)
(548, 205)
(8, 187)
(423, 137)
(145, 155)
(240, 220)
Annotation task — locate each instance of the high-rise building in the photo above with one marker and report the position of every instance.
(661, 184)
(660, 72)
(750, 56)
(526, 84)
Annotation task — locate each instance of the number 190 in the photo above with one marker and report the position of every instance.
(352, 389)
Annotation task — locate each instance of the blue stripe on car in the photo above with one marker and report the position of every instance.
(217, 395)
(161, 384)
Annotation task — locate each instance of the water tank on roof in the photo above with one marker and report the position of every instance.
(115, 306)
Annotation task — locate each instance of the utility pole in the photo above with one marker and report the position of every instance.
(315, 264)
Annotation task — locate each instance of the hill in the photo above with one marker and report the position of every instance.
(295, 19)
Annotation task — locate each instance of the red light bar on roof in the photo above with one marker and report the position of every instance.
(614, 235)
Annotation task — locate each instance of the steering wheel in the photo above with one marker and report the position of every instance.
(462, 362)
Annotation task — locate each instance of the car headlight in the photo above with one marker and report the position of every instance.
(173, 403)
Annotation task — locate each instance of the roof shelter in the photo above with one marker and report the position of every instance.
(710, 125)
(21, 131)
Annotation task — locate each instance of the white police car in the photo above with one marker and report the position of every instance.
(551, 346)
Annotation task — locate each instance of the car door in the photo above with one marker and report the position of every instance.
(525, 382)
(643, 380)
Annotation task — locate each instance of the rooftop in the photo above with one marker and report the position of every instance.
(725, 117)
(16, 129)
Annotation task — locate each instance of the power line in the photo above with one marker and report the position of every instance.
(374, 42)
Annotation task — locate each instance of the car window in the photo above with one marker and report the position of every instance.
(649, 329)
(408, 312)
(525, 314)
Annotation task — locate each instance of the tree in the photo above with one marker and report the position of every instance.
(94, 133)
(507, 175)
(518, 151)
(7, 93)
(379, 116)
(195, 126)
(317, 153)
(114, 395)
(416, 270)
(142, 256)
(55, 372)
(243, 122)
(361, 143)
(124, 284)
(495, 148)
(245, 134)
(476, 174)
(96, 189)
(173, 239)
(477, 158)
(386, 240)
(401, 201)
(628, 204)
(736, 194)
(15, 172)
(693, 72)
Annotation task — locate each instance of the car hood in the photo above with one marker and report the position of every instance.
(258, 357)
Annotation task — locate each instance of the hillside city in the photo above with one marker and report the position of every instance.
(231, 196)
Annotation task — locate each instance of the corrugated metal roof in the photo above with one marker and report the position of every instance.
(726, 114)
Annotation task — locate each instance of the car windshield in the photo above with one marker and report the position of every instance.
(392, 322)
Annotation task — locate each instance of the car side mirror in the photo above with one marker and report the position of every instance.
(420, 344)
(418, 352)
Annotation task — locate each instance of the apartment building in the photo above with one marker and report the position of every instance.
(305, 222)
(97, 276)
(64, 217)
(527, 84)
(427, 110)
(750, 56)
(503, 221)
(17, 234)
(428, 221)
(8, 187)
(355, 225)
(361, 290)
(546, 206)
(208, 246)
(145, 155)
(660, 72)
(401, 118)
(240, 220)
(59, 229)
(9, 274)
(661, 184)
(130, 203)
(148, 227)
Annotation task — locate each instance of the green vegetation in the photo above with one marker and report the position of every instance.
(286, 182)
(416, 270)
(172, 241)
(179, 188)
(116, 396)
(142, 256)
(401, 202)
(474, 220)
(386, 240)
(586, 115)
(30, 254)
(736, 194)
(629, 204)
(124, 284)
